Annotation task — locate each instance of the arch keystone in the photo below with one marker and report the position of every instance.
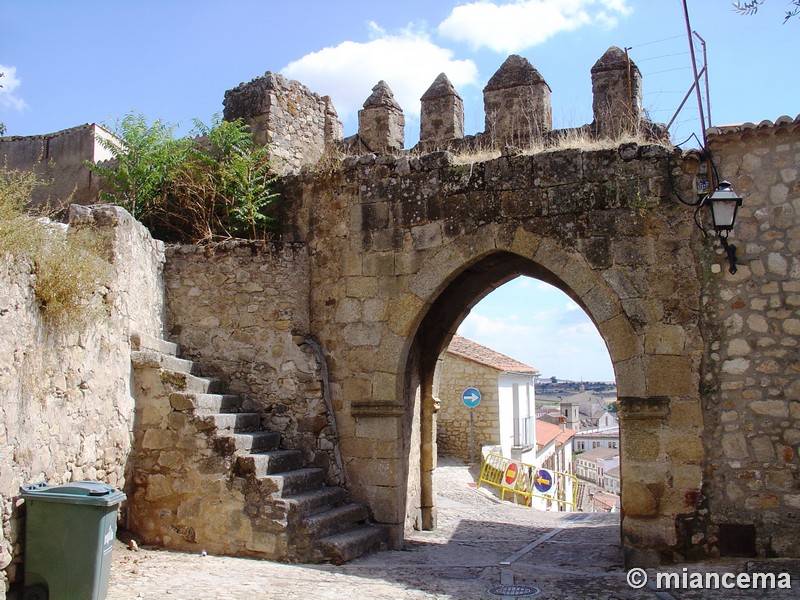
(525, 243)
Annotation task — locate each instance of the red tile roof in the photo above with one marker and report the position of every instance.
(547, 432)
(461, 346)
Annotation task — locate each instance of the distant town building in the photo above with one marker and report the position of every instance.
(592, 465)
(611, 482)
(554, 447)
(596, 438)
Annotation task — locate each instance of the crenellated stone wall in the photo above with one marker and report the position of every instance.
(66, 411)
(302, 128)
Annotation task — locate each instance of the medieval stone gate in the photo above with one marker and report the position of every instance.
(404, 248)
(384, 253)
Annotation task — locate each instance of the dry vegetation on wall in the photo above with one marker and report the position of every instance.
(70, 269)
(566, 139)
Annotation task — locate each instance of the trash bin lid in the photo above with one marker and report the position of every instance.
(94, 493)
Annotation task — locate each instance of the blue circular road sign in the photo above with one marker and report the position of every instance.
(543, 481)
(471, 397)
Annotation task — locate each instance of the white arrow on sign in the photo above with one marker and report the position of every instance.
(471, 397)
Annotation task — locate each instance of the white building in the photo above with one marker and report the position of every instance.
(611, 481)
(592, 465)
(596, 438)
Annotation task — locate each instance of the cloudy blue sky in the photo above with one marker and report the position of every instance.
(68, 63)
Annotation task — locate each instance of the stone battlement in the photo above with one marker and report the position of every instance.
(301, 126)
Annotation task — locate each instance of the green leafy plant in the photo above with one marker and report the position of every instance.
(750, 7)
(145, 159)
(218, 185)
(239, 171)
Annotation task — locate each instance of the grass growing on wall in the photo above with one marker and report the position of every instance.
(69, 268)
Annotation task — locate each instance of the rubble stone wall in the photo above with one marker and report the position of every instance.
(240, 310)
(66, 412)
(297, 124)
(752, 374)
(452, 419)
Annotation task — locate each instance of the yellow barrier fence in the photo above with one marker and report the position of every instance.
(528, 482)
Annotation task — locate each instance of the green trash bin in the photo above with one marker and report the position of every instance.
(69, 538)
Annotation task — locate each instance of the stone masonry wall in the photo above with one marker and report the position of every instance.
(452, 420)
(752, 374)
(59, 160)
(402, 248)
(241, 311)
(297, 124)
(66, 412)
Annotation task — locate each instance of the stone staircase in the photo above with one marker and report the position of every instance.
(285, 501)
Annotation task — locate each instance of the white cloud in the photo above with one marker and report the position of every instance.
(10, 82)
(514, 26)
(557, 340)
(408, 61)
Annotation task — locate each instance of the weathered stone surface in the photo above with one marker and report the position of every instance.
(757, 431)
(66, 411)
(442, 114)
(298, 125)
(389, 256)
(516, 103)
(381, 121)
(617, 93)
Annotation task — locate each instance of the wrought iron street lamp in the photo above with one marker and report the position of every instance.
(724, 206)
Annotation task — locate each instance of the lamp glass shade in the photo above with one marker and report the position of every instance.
(724, 205)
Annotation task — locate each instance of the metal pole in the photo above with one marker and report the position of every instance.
(705, 69)
(685, 98)
(472, 436)
(696, 76)
(630, 85)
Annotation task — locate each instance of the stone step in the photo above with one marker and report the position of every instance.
(334, 520)
(268, 463)
(191, 383)
(173, 363)
(142, 341)
(156, 360)
(256, 441)
(299, 480)
(314, 501)
(344, 547)
(236, 421)
(206, 403)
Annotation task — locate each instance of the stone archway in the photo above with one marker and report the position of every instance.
(639, 363)
(400, 250)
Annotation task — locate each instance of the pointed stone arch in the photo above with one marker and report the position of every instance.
(456, 278)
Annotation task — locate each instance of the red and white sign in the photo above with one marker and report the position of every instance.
(511, 474)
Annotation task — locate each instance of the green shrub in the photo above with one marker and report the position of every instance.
(217, 186)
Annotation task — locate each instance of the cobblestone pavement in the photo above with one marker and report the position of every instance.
(480, 546)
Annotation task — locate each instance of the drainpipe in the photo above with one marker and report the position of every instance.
(315, 346)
